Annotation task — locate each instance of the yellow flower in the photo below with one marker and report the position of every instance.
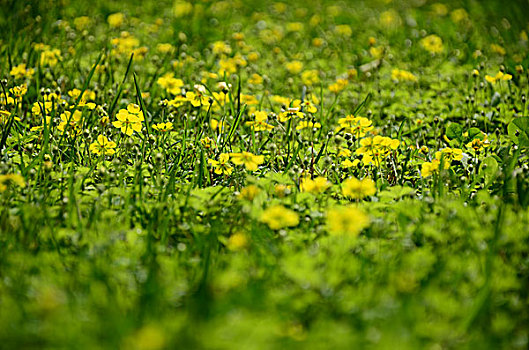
(294, 67)
(36, 110)
(21, 71)
(170, 83)
(237, 241)
(102, 146)
(478, 144)
(249, 192)
(497, 49)
(221, 166)
(429, 168)
(440, 9)
(165, 48)
(338, 86)
(449, 154)
(81, 23)
(207, 142)
(260, 123)
(221, 48)
(289, 113)
(348, 221)
(304, 124)
(344, 152)
(305, 106)
(377, 52)
(317, 42)
(375, 149)
(357, 126)
(432, 43)
(253, 56)
(318, 185)
(402, 75)
(459, 15)
(182, 8)
(294, 27)
(255, 79)
(115, 20)
(19, 91)
(281, 190)
(310, 77)
(348, 164)
(499, 77)
(217, 124)
(70, 123)
(129, 120)
(197, 97)
(50, 57)
(344, 30)
(4, 116)
(177, 101)
(358, 189)
(163, 127)
(250, 161)
(7, 179)
(278, 217)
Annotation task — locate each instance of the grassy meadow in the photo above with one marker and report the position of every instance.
(246, 174)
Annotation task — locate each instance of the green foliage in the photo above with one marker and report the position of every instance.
(256, 175)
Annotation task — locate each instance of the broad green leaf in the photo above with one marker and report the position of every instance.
(519, 131)
(454, 131)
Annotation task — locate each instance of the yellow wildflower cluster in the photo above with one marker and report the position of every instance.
(249, 160)
(310, 77)
(432, 43)
(127, 44)
(70, 124)
(317, 185)
(50, 57)
(402, 75)
(357, 126)
(7, 179)
(358, 189)
(500, 76)
(163, 127)
(375, 149)
(338, 86)
(447, 155)
(21, 71)
(294, 67)
(346, 221)
(116, 20)
(171, 84)
(278, 217)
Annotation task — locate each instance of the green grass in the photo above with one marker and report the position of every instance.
(178, 239)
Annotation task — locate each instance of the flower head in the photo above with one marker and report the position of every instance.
(103, 146)
(7, 179)
(278, 217)
(318, 185)
(249, 160)
(432, 43)
(358, 189)
(163, 127)
(221, 166)
(129, 120)
(347, 221)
